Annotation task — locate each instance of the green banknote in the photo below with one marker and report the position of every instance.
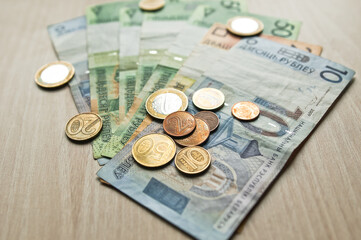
(69, 41)
(130, 22)
(294, 89)
(160, 79)
(103, 61)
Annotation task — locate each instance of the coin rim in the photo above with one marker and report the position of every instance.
(91, 136)
(214, 108)
(195, 115)
(151, 9)
(153, 166)
(166, 90)
(258, 31)
(54, 85)
(183, 149)
(209, 133)
(243, 119)
(165, 129)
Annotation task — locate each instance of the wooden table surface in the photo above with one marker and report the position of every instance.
(48, 185)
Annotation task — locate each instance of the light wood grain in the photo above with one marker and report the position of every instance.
(48, 184)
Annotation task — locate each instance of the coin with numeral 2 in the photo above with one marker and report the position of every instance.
(83, 126)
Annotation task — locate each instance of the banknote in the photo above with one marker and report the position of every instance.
(69, 41)
(130, 22)
(103, 61)
(293, 88)
(225, 10)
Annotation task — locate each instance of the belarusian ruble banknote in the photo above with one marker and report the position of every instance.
(69, 41)
(202, 19)
(103, 61)
(161, 79)
(130, 22)
(215, 44)
(293, 88)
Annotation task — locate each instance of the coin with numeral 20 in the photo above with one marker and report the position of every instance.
(83, 126)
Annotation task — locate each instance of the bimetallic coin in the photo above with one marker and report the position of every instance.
(210, 117)
(151, 5)
(54, 74)
(166, 101)
(83, 126)
(198, 136)
(245, 26)
(179, 124)
(154, 150)
(208, 98)
(245, 110)
(192, 160)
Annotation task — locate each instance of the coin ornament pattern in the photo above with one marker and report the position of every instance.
(245, 110)
(192, 160)
(245, 26)
(154, 150)
(166, 101)
(83, 126)
(208, 98)
(179, 124)
(54, 74)
(151, 5)
(197, 137)
(210, 117)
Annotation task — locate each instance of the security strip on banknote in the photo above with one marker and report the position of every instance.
(293, 88)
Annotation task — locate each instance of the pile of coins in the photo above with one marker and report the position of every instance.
(181, 127)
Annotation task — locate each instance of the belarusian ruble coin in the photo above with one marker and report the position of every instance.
(245, 26)
(192, 160)
(54, 74)
(245, 110)
(208, 98)
(179, 124)
(83, 126)
(154, 150)
(151, 5)
(198, 136)
(166, 101)
(210, 117)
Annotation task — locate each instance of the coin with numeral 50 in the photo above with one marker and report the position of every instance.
(83, 126)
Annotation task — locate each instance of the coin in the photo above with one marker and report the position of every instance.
(192, 160)
(245, 26)
(83, 126)
(151, 5)
(154, 150)
(245, 110)
(198, 136)
(208, 98)
(210, 117)
(54, 74)
(179, 124)
(166, 101)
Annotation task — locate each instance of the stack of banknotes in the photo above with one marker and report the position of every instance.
(122, 54)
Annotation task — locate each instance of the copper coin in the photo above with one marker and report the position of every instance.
(245, 110)
(179, 124)
(199, 135)
(210, 117)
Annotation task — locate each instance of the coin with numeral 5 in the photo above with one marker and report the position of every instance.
(83, 126)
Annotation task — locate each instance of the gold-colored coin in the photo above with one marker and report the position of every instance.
(83, 126)
(245, 26)
(192, 160)
(166, 101)
(208, 98)
(54, 74)
(154, 150)
(151, 5)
